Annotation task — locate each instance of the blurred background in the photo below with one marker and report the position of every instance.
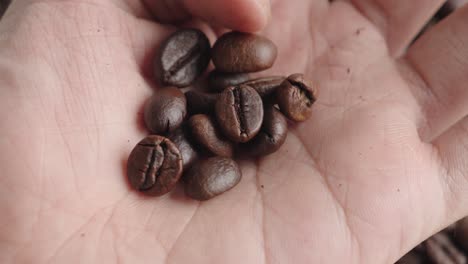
(3, 6)
(449, 246)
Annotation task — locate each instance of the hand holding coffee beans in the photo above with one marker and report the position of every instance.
(197, 134)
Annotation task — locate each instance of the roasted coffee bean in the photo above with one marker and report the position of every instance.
(442, 251)
(211, 177)
(183, 57)
(461, 233)
(266, 86)
(243, 52)
(207, 135)
(165, 111)
(218, 81)
(200, 103)
(295, 97)
(271, 136)
(239, 111)
(181, 139)
(154, 166)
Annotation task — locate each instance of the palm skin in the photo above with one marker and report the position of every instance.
(350, 185)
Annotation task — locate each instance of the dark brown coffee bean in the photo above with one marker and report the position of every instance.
(165, 111)
(206, 134)
(243, 52)
(295, 97)
(266, 86)
(211, 177)
(200, 103)
(218, 81)
(441, 250)
(154, 166)
(181, 139)
(271, 136)
(239, 111)
(461, 233)
(183, 57)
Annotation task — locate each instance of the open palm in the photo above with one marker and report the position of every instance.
(379, 167)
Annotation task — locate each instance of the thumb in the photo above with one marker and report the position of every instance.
(243, 15)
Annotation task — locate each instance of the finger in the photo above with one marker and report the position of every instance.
(398, 20)
(452, 151)
(243, 15)
(440, 60)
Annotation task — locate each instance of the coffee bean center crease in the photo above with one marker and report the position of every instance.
(193, 54)
(149, 180)
(238, 104)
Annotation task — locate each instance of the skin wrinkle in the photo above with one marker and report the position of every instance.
(171, 250)
(69, 152)
(420, 187)
(74, 234)
(447, 172)
(118, 257)
(340, 208)
(428, 90)
(33, 226)
(146, 227)
(42, 185)
(92, 218)
(312, 53)
(95, 121)
(311, 23)
(105, 225)
(382, 14)
(70, 160)
(268, 255)
(109, 223)
(348, 85)
(137, 8)
(412, 208)
(68, 148)
(157, 239)
(414, 81)
(262, 204)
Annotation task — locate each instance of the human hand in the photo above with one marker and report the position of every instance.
(379, 167)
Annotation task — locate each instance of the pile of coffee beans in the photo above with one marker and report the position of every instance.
(196, 135)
